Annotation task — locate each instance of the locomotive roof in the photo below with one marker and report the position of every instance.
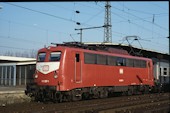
(98, 50)
(106, 53)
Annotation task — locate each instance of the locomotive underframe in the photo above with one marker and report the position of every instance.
(49, 93)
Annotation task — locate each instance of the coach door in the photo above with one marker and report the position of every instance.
(78, 68)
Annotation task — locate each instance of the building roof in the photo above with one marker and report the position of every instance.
(16, 59)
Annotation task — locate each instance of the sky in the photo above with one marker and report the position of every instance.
(28, 26)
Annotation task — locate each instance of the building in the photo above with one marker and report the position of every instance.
(16, 71)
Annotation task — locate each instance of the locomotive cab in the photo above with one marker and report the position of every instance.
(47, 74)
(47, 67)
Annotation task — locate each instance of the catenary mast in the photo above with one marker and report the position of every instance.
(107, 23)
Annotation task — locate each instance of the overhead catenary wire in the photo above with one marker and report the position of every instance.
(142, 26)
(146, 29)
(10, 47)
(88, 6)
(126, 20)
(57, 16)
(147, 12)
(94, 16)
(23, 24)
(135, 19)
(20, 39)
(135, 16)
(140, 11)
(159, 6)
(68, 9)
(73, 10)
(44, 13)
(61, 17)
(31, 26)
(87, 25)
(115, 32)
(118, 15)
(130, 21)
(140, 18)
(120, 34)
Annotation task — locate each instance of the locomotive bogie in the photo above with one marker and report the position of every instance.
(50, 94)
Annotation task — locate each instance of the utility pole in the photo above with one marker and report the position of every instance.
(107, 23)
(169, 44)
(169, 60)
(81, 29)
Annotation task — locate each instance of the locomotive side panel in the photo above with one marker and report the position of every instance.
(116, 75)
(72, 70)
(88, 72)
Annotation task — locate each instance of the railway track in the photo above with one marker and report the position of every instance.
(126, 104)
(147, 103)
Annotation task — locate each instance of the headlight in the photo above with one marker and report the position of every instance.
(55, 74)
(36, 76)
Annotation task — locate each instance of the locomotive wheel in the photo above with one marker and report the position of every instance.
(74, 96)
(147, 90)
(129, 92)
(103, 93)
(36, 99)
(86, 96)
(60, 98)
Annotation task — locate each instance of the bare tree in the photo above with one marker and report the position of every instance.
(27, 54)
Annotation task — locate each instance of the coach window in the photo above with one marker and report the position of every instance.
(160, 71)
(165, 71)
(120, 61)
(55, 56)
(41, 57)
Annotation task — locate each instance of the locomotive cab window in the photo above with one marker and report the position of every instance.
(55, 56)
(41, 57)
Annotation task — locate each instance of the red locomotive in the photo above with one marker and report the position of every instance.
(65, 73)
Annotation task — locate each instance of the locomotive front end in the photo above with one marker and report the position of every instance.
(47, 68)
(46, 85)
